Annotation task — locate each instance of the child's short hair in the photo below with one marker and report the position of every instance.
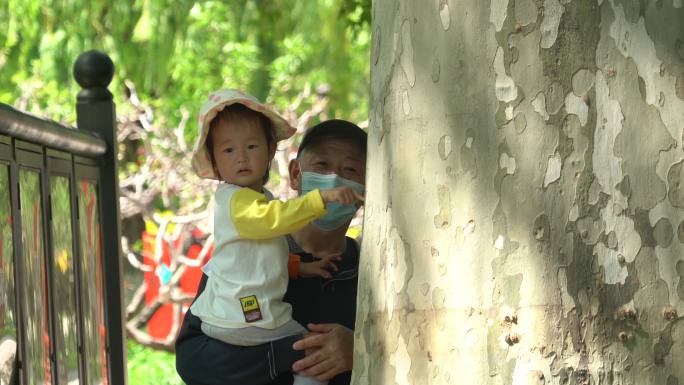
(237, 113)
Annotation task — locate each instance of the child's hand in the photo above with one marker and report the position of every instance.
(341, 195)
(319, 268)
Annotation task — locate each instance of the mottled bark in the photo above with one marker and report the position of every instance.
(525, 207)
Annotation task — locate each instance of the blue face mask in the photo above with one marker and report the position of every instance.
(337, 214)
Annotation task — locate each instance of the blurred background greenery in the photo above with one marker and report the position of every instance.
(176, 51)
(169, 54)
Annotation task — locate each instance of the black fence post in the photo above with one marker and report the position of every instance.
(95, 111)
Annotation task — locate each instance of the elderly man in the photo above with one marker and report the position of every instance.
(330, 150)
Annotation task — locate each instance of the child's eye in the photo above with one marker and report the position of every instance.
(252, 146)
(229, 149)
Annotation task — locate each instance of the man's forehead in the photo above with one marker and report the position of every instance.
(346, 148)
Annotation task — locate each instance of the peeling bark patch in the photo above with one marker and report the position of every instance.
(662, 348)
(633, 41)
(497, 14)
(669, 256)
(554, 98)
(435, 70)
(680, 232)
(520, 123)
(611, 240)
(582, 81)
(553, 11)
(425, 288)
(444, 200)
(577, 106)
(624, 187)
(376, 45)
(444, 14)
(405, 102)
(541, 228)
(499, 242)
(539, 105)
(407, 53)
(509, 112)
(589, 230)
(606, 166)
(444, 147)
(663, 233)
(574, 213)
(468, 163)
(594, 192)
(397, 254)
(680, 272)
(567, 301)
(506, 90)
(679, 87)
(470, 227)
(525, 12)
(438, 298)
(626, 250)
(507, 163)
(527, 371)
(553, 169)
(469, 142)
(608, 171)
(401, 360)
(675, 179)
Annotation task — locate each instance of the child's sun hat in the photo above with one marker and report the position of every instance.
(217, 101)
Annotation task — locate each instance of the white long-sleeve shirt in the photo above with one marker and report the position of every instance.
(249, 264)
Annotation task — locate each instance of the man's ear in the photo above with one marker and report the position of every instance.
(295, 175)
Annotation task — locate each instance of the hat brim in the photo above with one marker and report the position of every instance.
(201, 159)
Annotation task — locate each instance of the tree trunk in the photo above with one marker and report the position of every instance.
(524, 218)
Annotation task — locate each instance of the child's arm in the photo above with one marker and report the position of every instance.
(341, 195)
(256, 218)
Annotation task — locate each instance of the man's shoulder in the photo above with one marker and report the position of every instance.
(353, 250)
(353, 245)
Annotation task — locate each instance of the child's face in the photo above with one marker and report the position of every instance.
(241, 152)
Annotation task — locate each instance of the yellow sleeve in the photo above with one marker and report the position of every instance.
(256, 218)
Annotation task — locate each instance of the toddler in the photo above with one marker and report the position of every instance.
(242, 304)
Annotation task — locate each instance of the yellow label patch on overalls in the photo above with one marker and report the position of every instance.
(250, 308)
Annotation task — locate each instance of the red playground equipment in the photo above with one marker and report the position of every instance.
(171, 277)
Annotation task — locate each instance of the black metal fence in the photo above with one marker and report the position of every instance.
(61, 318)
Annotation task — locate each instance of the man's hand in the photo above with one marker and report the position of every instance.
(329, 351)
(319, 268)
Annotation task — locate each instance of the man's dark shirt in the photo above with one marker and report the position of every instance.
(313, 300)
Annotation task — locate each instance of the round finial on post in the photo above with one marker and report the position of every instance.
(93, 70)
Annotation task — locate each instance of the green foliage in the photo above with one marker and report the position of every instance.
(357, 13)
(176, 52)
(148, 366)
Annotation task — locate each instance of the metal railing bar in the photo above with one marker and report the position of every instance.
(22, 125)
